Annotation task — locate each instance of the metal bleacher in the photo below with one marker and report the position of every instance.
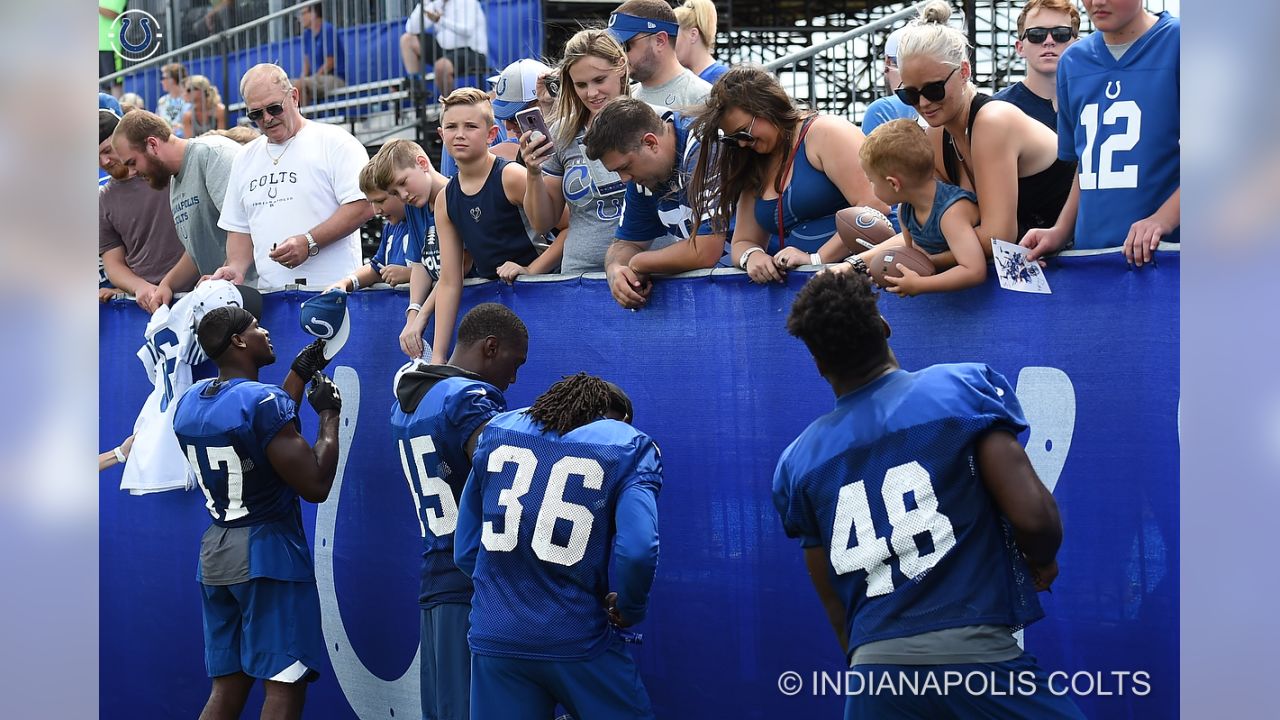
(376, 102)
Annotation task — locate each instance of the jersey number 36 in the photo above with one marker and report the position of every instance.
(855, 545)
(554, 507)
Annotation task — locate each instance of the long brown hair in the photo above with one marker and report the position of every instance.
(755, 91)
(571, 114)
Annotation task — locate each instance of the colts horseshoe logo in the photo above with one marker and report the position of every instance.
(135, 35)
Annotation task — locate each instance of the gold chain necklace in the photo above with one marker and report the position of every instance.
(275, 159)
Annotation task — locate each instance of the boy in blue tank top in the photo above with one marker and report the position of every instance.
(403, 170)
(479, 210)
(936, 217)
(1118, 118)
(925, 529)
(556, 492)
(436, 421)
(257, 580)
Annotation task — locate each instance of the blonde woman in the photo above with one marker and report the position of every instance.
(993, 149)
(697, 39)
(592, 73)
(206, 111)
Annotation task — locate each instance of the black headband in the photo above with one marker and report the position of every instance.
(240, 320)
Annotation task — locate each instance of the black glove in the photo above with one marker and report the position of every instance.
(310, 360)
(323, 394)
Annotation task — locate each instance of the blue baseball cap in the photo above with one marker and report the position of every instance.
(325, 316)
(623, 27)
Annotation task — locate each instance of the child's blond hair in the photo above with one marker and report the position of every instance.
(898, 148)
(468, 96)
(392, 157)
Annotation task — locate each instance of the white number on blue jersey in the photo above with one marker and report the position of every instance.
(554, 507)
(446, 520)
(230, 462)
(1106, 177)
(871, 553)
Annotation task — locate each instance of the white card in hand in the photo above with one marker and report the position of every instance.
(1015, 271)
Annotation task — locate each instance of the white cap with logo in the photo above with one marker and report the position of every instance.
(517, 86)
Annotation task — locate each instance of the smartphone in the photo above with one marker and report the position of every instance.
(531, 120)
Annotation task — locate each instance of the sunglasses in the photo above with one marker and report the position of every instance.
(742, 136)
(1037, 35)
(626, 46)
(933, 92)
(276, 110)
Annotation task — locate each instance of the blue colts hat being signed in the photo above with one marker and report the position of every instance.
(623, 27)
(325, 316)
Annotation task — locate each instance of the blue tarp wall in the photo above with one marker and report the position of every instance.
(721, 386)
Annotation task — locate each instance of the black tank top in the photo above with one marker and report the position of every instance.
(488, 224)
(1040, 196)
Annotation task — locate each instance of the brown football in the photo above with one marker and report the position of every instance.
(862, 228)
(885, 262)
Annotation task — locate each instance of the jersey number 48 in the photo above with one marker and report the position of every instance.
(855, 545)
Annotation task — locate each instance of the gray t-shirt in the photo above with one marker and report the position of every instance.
(684, 91)
(594, 196)
(195, 196)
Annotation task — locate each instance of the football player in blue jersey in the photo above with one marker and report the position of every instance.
(257, 579)
(1118, 117)
(925, 529)
(556, 490)
(438, 415)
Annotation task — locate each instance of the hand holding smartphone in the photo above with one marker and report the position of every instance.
(531, 121)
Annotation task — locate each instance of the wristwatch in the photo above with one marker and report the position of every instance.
(312, 248)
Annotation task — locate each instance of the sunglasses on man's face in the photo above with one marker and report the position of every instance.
(933, 92)
(276, 109)
(626, 46)
(1037, 35)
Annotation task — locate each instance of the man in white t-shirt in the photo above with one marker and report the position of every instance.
(647, 30)
(293, 206)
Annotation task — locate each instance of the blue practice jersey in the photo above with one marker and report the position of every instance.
(224, 432)
(423, 246)
(888, 482)
(397, 246)
(541, 517)
(437, 410)
(651, 214)
(1119, 119)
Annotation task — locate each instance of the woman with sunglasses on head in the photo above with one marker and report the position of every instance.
(592, 73)
(783, 174)
(206, 111)
(993, 149)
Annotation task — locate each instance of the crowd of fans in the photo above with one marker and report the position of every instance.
(656, 159)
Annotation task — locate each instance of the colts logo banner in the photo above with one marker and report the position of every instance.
(135, 35)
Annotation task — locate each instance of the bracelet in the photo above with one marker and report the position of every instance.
(355, 282)
(413, 307)
(742, 260)
(815, 259)
(120, 458)
(858, 264)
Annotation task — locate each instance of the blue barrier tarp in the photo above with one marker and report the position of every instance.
(723, 389)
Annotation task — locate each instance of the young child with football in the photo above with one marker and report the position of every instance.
(936, 217)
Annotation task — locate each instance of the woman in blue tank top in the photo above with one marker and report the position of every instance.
(783, 174)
